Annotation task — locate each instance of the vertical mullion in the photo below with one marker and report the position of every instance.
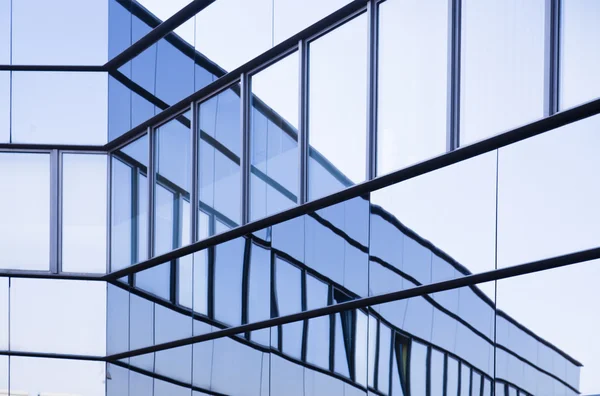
(303, 122)
(551, 56)
(151, 189)
(454, 65)
(194, 209)
(373, 40)
(55, 239)
(245, 153)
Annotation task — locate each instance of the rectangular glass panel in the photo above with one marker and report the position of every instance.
(84, 213)
(436, 373)
(228, 273)
(25, 211)
(412, 86)
(219, 151)
(61, 32)
(129, 212)
(72, 107)
(504, 39)
(70, 316)
(4, 105)
(418, 368)
(452, 375)
(5, 28)
(558, 326)
(173, 183)
(579, 58)
(42, 376)
(274, 138)
(465, 380)
(547, 205)
(422, 228)
(4, 308)
(337, 107)
(288, 291)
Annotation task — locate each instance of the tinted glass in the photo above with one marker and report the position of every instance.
(5, 22)
(546, 339)
(129, 211)
(4, 106)
(412, 84)
(274, 138)
(73, 314)
(173, 182)
(62, 32)
(422, 228)
(579, 59)
(74, 110)
(546, 204)
(504, 39)
(84, 211)
(337, 108)
(219, 158)
(4, 308)
(25, 212)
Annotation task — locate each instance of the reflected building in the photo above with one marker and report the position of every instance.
(121, 269)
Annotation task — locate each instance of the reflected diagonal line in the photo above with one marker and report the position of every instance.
(157, 33)
(540, 265)
(466, 152)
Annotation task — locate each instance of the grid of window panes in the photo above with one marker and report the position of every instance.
(98, 178)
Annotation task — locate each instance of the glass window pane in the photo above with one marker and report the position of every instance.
(4, 374)
(228, 273)
(412, 85)
(5, 28)
(60, 32)
(547, 205)
(288, 291)
(452, 374)
(129, 229)
(219, 172)
(4, 315)
(74, 110)
(274, 138)
(337, 107)
(4, 105)
(383, 366)
(465, 380)
(580, 60)
(318, 336)
(502, 70)
(84, 211)
(173, 180)
(418, 368)
(156, 280)
(436, 373)
(259, 290)
(70, 316)
(559, 326)
(25, 212)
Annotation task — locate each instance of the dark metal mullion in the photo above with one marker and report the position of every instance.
(445, 377)
(454, 73)
(151, 188)
(428, 371)
(375, 356)
(211, 254)
(332, 319)
(303, 55)
(373, 39)
(305, 324)
(246, 284)
(245, 86)
(552, 56)
(55, 239)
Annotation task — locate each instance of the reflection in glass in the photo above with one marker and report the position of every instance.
(579, 59)
(61, 32)
(504, 39)
(129, 211)
(418, 368)
(552, 334)
(73, 314)
(4, 308)
(25, 212)
(423, 227)
(219, 152)
(274, 138)
(288, 292)
(337, 108)
(547, 205)
(228, 277)
(173, 184)
(412, 86)
(84, 213)
(74, 109)
(5, 28)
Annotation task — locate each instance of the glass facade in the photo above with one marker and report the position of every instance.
(376, 197)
